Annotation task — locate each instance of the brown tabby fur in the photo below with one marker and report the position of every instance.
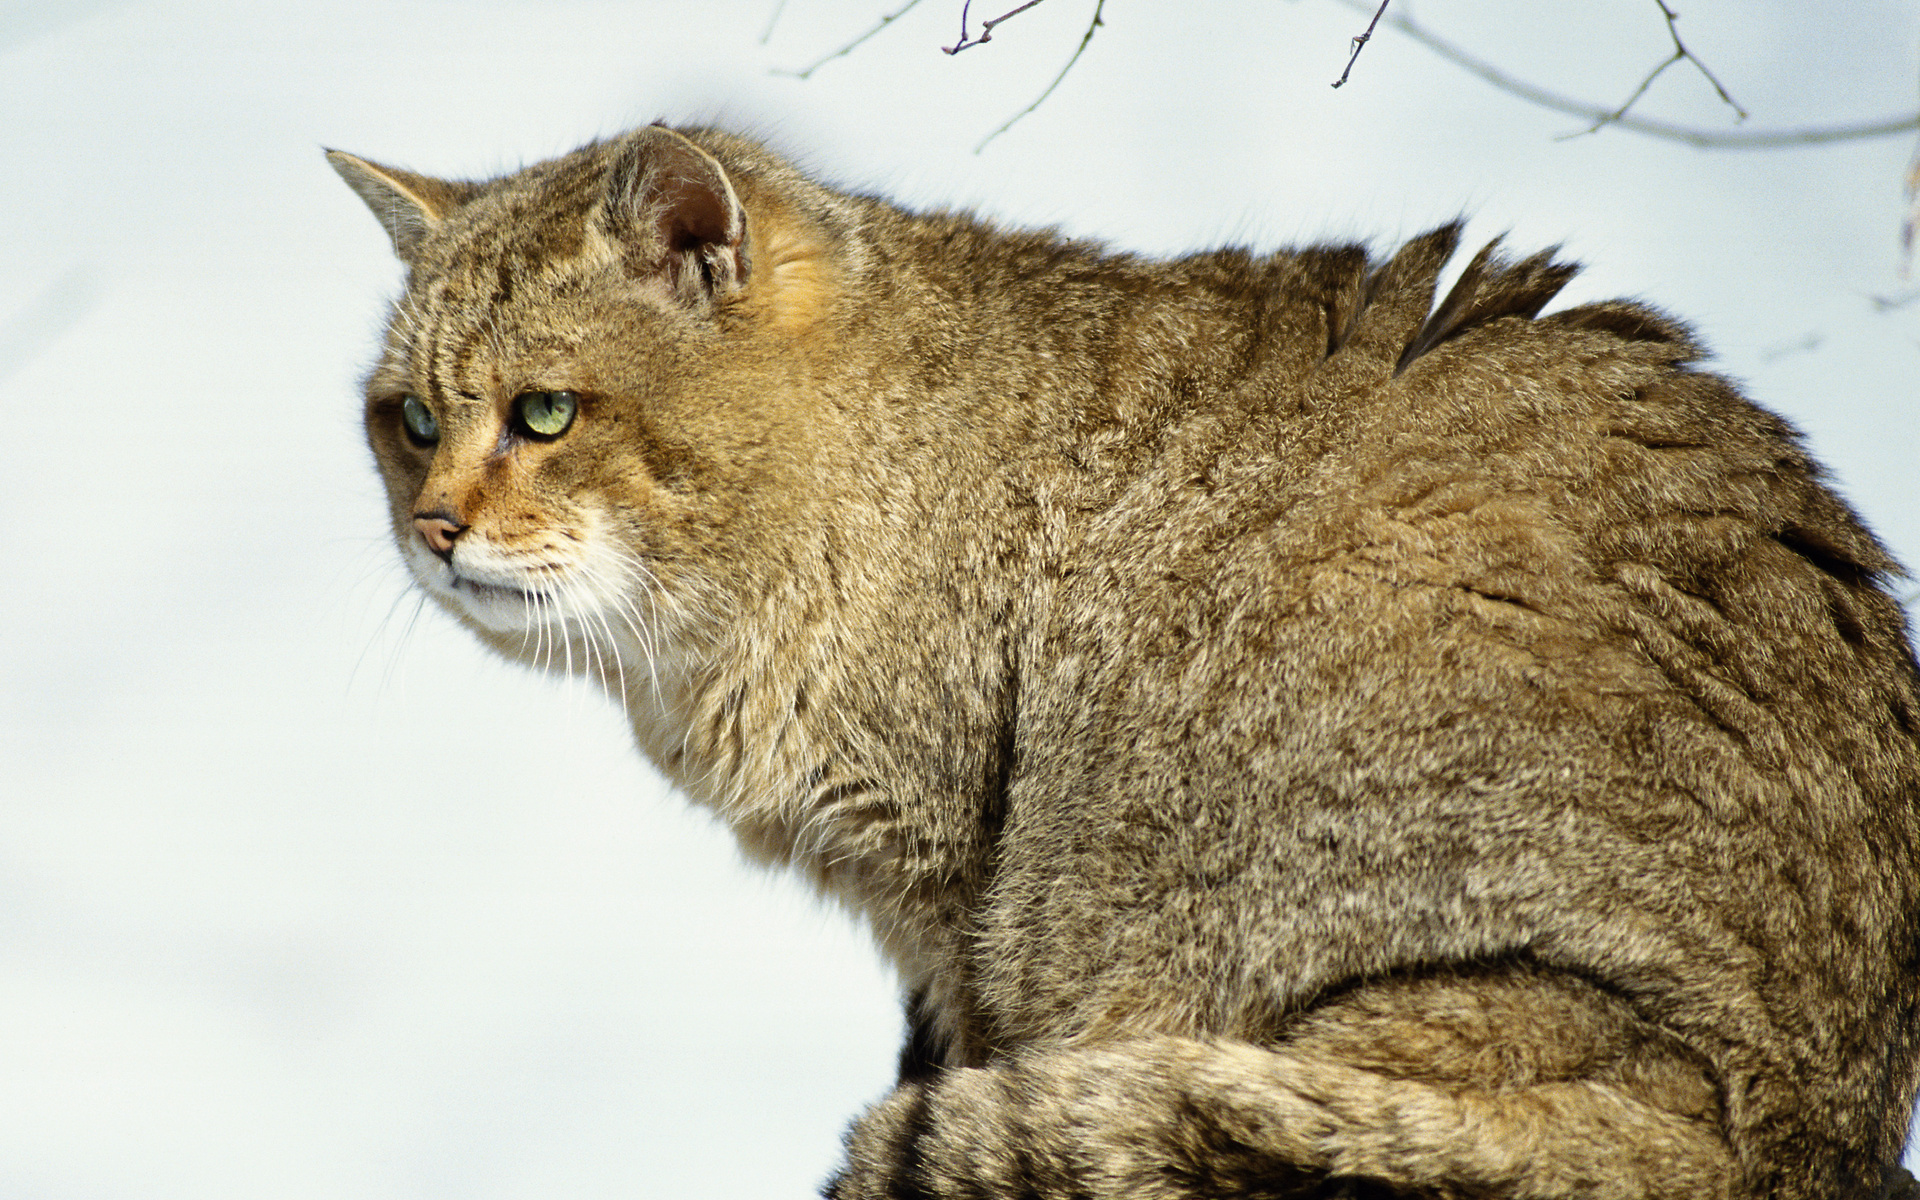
(1291, 739)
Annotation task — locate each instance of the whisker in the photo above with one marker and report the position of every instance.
(595, 625)
(567, 605)
(382, 564)
(406, 635)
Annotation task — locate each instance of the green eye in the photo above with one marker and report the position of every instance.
(545, 414)
(421, 426)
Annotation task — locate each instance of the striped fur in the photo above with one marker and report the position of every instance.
(1292, 737)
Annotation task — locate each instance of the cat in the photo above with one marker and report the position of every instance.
(1292, 739)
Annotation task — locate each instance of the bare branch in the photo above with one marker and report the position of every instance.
(773, 20)
(1680, 53)
(1041, 98)
(1910, 228)
(1360, 43)
(1805, 344)
(1759, 139)
(986, 27)
(1614, 117)
(1680, 49)
(850, 47)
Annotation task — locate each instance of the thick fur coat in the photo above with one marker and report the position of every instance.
(1293, 738)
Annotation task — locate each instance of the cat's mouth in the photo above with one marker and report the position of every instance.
(496, 592)
(513, 597)
(506, 606)
(503, 606)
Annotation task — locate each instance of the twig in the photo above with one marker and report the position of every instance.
(1360, 43)
(1041, 98)
(773, 20)
(1759, 139)
(1680, 52)
(851, 46)
(1910, 228)
(1805, 344)
(986, 27)
(1680, 48)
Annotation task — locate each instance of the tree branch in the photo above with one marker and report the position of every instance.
(1038, 100)
(1759, 139)
(1910, 228)
(1360, 43)
(986, 27)
(850, 47)
(1680, 53)
(965, 42)
(778, 8)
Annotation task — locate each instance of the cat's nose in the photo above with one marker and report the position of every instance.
(439, 530)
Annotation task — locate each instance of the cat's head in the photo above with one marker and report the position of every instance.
(592, 411)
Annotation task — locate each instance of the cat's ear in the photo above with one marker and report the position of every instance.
(671, 208)
(409, 205)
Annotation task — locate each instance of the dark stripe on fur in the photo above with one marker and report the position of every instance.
(907, 1180)
(923, 1054)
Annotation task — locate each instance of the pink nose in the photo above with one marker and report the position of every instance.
(439, 530)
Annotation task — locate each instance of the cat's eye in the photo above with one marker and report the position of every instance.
(545, 414)
(421, 426)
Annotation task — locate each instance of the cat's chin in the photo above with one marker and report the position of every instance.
(495, 598)
(535, 614)
(500, 609)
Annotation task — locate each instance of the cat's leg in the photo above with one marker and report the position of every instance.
(1178, 1119)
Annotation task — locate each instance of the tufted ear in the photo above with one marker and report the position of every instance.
(409, 205)
(671, 207)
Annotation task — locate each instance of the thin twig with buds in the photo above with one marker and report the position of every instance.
(1680, 52)
(850, 47)
(767, 33)
(986, 27)
(1360, 43)
(1910, 228)
(1708, 139)
(1038, 100)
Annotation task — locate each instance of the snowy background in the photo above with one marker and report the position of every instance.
(301, 895)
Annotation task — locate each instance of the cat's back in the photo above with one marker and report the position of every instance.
(1487, 637)
(1565, 493)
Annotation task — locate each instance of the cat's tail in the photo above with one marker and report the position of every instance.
(1174, 1119)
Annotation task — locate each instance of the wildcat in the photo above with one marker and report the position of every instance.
(1293, 739)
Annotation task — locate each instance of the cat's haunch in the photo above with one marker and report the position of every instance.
(1293, 739)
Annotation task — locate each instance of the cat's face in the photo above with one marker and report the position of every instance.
(582, 458)
(515, 503)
